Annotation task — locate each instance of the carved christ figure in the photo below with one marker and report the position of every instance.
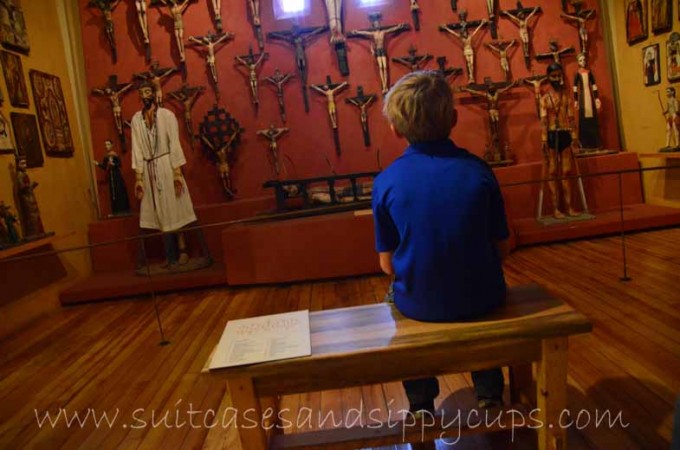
(521, 19)
(337, 38)
(107, 7)
(447, 72)
(222, 153)
(492, 95)
(329, 90)
(187, 97)
(155, 75)
(143, 19)
(252, 61)
(555, 52)
(581, 18)
(217, 10)
(378, 35)
(254, 7)
(210, 41)
(272, 134)
(279, 80)
(501, 50)
(413, 61)
(113, 91)
(466, 40)
(536, 82)
(363, 102)
(177, 9)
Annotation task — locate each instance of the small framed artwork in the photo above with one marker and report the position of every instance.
(14, 77)
(651, 65)
(636, 21)
(51, 108)
(13, 34)
(662, 16)
(673, 57)
(6, 144)
(27, 138)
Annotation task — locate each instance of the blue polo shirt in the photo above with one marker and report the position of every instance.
(439, 209)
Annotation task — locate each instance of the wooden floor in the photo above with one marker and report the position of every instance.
(105, 358)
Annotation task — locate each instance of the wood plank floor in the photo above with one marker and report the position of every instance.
(105, 358)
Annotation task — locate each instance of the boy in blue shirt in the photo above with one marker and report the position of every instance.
(440, 224)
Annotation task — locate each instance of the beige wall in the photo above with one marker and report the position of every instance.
(642, 123)
(64, 193)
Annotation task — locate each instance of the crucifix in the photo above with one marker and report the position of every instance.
(580, 18)
(501, 50)
(155, 76)
(521, 17)
(177, 8)
(447, 72)
(329, 89)
(143, 19)
(337, 39)
(279, 80)
(107, 7)
(254, 8)
(454, 5)
(466, 39)
(113, 91)
(492, 93)
(220, 134)
(555, 53)
(378, 34)
(363, 101)
(272, 134)
(415, 14)
(223, 153)
(298, 38)
(413, 61)
(210, 41)
(536, 82)
(217, 11)
(493, 26)
(252, 61)
(187, 97)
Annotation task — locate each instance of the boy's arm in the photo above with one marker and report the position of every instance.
(386, 262)
(386, 233)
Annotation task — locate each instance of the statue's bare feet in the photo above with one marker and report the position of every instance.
(573, 213)
(183, 259)
(558, 214)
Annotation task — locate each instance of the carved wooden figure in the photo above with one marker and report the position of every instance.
(252, 61)
(378, 35)
(187, 97)
(27, 205)
(536, 82)
(363, 102)
(329, 89)
(143, 20)
(491, 8)
(223, 155)
(337, 39)
(466, 39)
(107, 7)
(671, 113)
(8, 221)
(555, 53)
(522, 17)
(279, 80)
(118, 196)
(156, 75)
(580, 19)
(413, 61)
(113, 91)
(220, 132)
(210, 41)
(447, 72)
(254, 8)
(298, 38)
(217, 12)
(176, 8)
(588, 104)
(501, 50)
(415, 14)
(272, 134)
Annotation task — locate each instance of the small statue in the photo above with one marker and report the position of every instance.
(500, 49)
(413, 61)
(209, 41)
(581, 17)
(279, 80)
(155, 76)
(272, 134)
(466, 39)
(8, 225)
(223, 155)
(114, 91)
(536, 82)
(362, 102)
(217, 11)
(672, 115)
(177, 8)
(120, 204)
(555, 53)
(254, 8)
(329, 89)
(187, 96)
(107, 7)
(588, 104)
(337, 39)
(143, 19)
(378, 35)
(252, 62)
(28, 206)
(521, 17)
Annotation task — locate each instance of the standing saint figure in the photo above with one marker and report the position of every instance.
(143, 19)
(378, 35)
(252, 62)
(113, 91)
(223, 153)
(177, 9)
(187, 97)
(279, 80)
(362, 102)
(272, 133)
(500, 49)
(588, 104)
(107, 7)
(209, 41)
(155, 76)
(520, 18)
(120, 204)
(329, 89)
(157, 159)
(581, 18)
(29, 212)
(672, 115)
(466, 40)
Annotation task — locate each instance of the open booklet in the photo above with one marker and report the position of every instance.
(265, 338)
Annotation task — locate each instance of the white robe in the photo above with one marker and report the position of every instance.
(157, 158)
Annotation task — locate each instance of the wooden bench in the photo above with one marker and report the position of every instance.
(376, 344)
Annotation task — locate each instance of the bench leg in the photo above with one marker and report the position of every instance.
(521, 384)
(246, 403)
(551, 393)
(270, 415)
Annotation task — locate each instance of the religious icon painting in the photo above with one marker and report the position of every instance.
(636, 21)
(673, 57)
(650, 65)
(27, 138)
(14, 77)
(662, 16)
(51, 109)
(13, 34)
(6, 145)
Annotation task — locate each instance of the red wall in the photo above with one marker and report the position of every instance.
(310, 135)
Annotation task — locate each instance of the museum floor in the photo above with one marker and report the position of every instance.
(105, 357)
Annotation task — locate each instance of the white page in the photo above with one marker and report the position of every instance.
(264, 338)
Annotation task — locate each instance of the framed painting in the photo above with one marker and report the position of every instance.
(6, 144)
(636, 21)
(650, 65)
(14, 78)
(27, 138)
(51, 109)
(662, 16)
(13, 34)
(673, 57)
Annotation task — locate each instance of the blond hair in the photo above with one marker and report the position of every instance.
(420, 107)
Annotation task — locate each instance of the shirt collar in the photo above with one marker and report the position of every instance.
(441, 147)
